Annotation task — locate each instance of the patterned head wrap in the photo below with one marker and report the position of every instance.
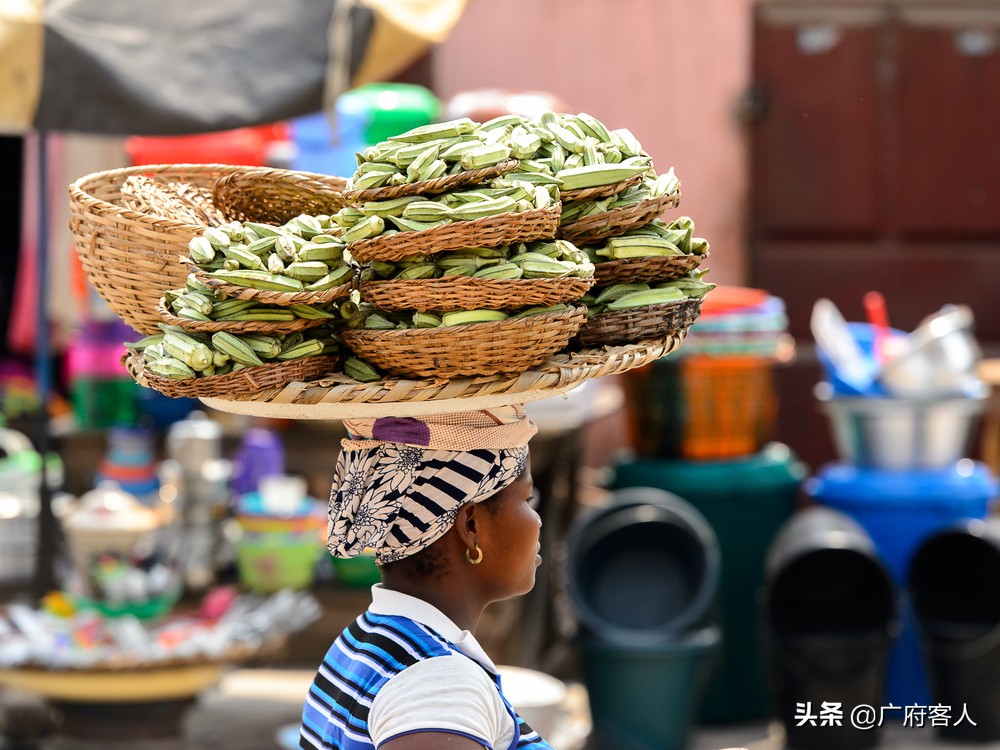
(400, 481)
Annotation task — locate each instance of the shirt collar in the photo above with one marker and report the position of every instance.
(388, 602)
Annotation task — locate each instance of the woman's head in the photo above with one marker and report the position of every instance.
(493, 545)
(401, 483)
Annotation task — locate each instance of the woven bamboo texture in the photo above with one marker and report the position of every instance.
(599, 191)
(638, 323)
(649, 269)
(273, 196)
(490, 231)
(248, 380)
(266, 296)
(171, 200)
(468, 293)
(597, 227)
(272, 327)
(504, 346)
(337, 396)
(432, 187)
(129, 257)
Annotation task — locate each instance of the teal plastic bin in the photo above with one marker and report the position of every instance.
(645, 697)
(745, 501)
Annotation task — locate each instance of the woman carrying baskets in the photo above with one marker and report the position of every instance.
(446, 504)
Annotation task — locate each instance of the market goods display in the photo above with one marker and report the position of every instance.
(456, 252)
(496, 278)
(179, 362)
(171, 200)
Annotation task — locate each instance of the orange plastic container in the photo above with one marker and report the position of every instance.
(701, 407)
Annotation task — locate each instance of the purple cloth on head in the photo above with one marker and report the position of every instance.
(401, 430)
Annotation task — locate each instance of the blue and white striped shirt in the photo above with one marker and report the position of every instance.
(372, 650)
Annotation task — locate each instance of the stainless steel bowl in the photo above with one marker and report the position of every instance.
(939, 358)
(903, 433)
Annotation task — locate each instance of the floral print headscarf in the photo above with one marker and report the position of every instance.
(400, 482)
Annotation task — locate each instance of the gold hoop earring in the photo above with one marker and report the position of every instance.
(479, 555)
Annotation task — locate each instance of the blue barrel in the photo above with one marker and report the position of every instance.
(899, 510)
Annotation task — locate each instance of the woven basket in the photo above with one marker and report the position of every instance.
(337, 396)
(171, 200)
(467, 293)
(637, 323)
(272, 327)
(432, 187)
(597, 227)
(267, 297)
(599, 191)
(248, 380)
(274, 196)
(491, 231)
(504, 346)
(129, 257)
(649, 270)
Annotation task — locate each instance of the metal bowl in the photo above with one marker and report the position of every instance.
(903, 433)
(939, 359)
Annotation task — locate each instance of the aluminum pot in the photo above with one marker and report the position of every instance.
(903, 433)
(940, 357)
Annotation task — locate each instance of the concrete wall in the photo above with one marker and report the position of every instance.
(671, 71)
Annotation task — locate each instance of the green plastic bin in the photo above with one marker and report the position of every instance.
(646, 697)
(745, 501)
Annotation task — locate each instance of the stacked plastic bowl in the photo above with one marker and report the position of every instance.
(281, 535)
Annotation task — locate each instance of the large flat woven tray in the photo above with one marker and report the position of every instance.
(339, 397)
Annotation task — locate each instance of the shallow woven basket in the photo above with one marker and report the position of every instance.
(248, 380)
(338, 396)
(599, 191)
(273, 196)
(650, 269)
(504, 346)
(467, 293)
(432, 187)
(171, 200)
(130, 257)
(637, 323)
(491, 231)
(272, 327)
(597, 227)
(267, 297)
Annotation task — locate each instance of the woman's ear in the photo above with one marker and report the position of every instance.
(465, 524)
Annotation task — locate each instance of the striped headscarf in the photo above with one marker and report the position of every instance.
(400, 481)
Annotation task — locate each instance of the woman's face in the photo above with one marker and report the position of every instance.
(508, 532)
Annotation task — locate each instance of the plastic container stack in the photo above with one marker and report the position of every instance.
(701, 423)
(642, 574)
(903, 410)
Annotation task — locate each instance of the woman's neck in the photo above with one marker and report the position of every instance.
(447, 595)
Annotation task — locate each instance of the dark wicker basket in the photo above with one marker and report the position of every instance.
(467, 293)
(432, 187)
(638, 323)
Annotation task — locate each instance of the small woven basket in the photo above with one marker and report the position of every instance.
(171, 200)
(432, 187)
(274, 196)
(599, 191)
(467, 293)
(271, 327)
(267, 297)
(504, 346)
(638, 323)
(650, 269)
(597, 227)
(491, 231)
(130, 257)
(248, 380)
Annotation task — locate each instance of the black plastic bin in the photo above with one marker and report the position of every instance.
(954, 585)
(641, 575)
(831, 617)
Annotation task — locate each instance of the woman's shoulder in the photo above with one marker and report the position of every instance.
(406, 633)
